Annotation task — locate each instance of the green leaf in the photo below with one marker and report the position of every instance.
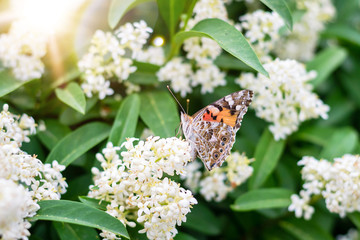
(342, 32)
(355, 218)
(281, 7)
(143, 78)
(95, 203)
(54, 132)
(267, 155)
(118, 8)
(78, 142)
(326, 62)
(146, 67)
(126, 120)
(68, 231)
(262, 198)
(170, 11)
(352, 85)
(159, 112)
(73, 96)
(8, 83)
(203, 220)
(227, 36)
(305, 230)
(342, 141)
(79, 213)
(317, 135)
(184, 236)
(227, 61)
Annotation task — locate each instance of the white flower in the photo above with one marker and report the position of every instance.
(180, 75)
(301, 42)
(208, 76)
(203, 50)
(135, 186)
(131, 88)
(262, 31)
(16, 205)
(21, 49)
(352, 234)
(238, 169)
(17, 128)
(300, 205)
(24, 179)
(337, 182)
(215, 185)
(134, 36)
(285, 99)
(154, 55)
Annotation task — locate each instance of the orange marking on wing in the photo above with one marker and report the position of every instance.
(225, 116)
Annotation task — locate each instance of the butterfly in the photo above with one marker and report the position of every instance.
(211, 131)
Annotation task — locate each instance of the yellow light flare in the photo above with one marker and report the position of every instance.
(158, 41)
(45, 16)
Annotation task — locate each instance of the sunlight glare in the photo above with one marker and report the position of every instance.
(46, 16)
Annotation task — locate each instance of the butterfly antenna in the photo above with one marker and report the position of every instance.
(187, 105)
(175, 98)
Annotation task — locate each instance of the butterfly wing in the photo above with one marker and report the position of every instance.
(215, 127)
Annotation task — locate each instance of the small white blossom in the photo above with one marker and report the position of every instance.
(338, 183)
(107, 57)
(154, 55)
(352, 234)
(208, 76)
(24, 179)
(180, 75)
(134, 36)
(21, 50)
(262, 31)
(285, 99)
(135, 185)
(215, 185)
(301, 42)
(104, 61)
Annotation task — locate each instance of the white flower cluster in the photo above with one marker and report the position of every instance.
(301, 42)
(262, 31)
(106, 58)
(24, 179)
(352, 234)
(203, 50)
(21, 50)
(152, 54)
(183, 78)
(136, 187)
(337, 182)
(285, 99)
(215, 185)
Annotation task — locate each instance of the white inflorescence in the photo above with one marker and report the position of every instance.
(301, 42)
(338, 183)
(136, 187)
(24, 179)
(262, 31)
(215, 185)
(352, 234)
(203, 50)
(285, 99)
(21, 50)
(180, 75)
(107, 59)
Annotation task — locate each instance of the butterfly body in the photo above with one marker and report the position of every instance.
(211, 131)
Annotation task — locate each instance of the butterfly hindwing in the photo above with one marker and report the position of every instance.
(213, 142)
